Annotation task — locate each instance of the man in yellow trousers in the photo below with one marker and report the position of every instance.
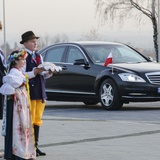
(36, 83)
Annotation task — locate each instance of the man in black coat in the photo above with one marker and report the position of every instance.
(2, 73)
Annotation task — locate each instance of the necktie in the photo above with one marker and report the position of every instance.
(33, 57)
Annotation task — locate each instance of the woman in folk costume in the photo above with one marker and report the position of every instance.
(19, 138)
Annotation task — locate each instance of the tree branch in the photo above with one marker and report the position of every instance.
(143, 10)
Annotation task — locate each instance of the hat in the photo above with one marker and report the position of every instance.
(27, 36)
(16, 55)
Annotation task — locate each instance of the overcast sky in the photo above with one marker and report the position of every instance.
(71, 17)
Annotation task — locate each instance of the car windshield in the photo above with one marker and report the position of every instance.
(120, 53)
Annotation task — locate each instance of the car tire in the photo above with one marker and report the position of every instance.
(109, 96)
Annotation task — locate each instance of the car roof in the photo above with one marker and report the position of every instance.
(88, 43)
(94, 42)
(81, 43)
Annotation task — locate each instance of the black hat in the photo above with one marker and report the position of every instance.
(27, 36)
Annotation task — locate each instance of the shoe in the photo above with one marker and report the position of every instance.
(37, 154)
(40, 153)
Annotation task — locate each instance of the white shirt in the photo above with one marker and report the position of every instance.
(14, 79)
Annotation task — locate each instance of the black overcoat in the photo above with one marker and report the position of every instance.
(2, 73)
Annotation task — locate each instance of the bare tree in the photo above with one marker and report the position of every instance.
(48, 40)
(93, 35)
(44, 41)
(16, 46)
(8, 49)
(125, 9)
(60, 38)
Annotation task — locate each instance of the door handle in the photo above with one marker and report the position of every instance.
(64, 67)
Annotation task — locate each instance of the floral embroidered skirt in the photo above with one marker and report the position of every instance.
(22, 137)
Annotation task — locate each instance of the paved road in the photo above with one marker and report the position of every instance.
(72, 131)
(130, 112)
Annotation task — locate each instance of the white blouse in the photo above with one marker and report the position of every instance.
(11, 81)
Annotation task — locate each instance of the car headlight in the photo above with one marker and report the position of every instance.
(130, 77)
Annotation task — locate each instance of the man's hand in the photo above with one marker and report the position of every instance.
(38, 70)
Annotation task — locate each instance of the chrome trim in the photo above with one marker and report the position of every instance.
(137, 94)
(153, 77)
(54, 45)
(140, 97)
(80, 50)
(74, 45)
(59, 91)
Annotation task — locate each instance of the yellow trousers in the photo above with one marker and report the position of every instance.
(37, 109)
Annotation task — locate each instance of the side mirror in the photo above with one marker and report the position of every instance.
(150, 58)
(82, 62)
(79, 62)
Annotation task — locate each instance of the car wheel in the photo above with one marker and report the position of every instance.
(109, 96)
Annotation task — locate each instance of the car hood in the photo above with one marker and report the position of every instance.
(145, 67)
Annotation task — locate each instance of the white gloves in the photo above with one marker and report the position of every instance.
(50, 66)
(53, 68)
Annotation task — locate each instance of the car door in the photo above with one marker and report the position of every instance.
(55, 55)
(76, 78)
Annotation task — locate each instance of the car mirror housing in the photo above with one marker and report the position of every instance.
(150, 58)
(80, 62)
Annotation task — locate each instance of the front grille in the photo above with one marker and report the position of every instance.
(154, 77)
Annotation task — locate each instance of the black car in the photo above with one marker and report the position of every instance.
(131, 77)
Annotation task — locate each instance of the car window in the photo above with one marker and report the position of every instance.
(55, 54)
(128, 56)
(98, 54)
(120, 53)
(73, 54)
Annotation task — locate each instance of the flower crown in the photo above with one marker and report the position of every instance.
(18, 55)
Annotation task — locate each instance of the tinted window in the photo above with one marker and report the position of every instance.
(73, 54)
(54, 54)
(120, 53)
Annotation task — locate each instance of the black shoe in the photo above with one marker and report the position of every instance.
(39, 153)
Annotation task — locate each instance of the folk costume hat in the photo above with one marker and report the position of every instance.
(16, 55)
(28, 36)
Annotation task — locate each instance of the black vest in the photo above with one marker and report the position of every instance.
(37, 84)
